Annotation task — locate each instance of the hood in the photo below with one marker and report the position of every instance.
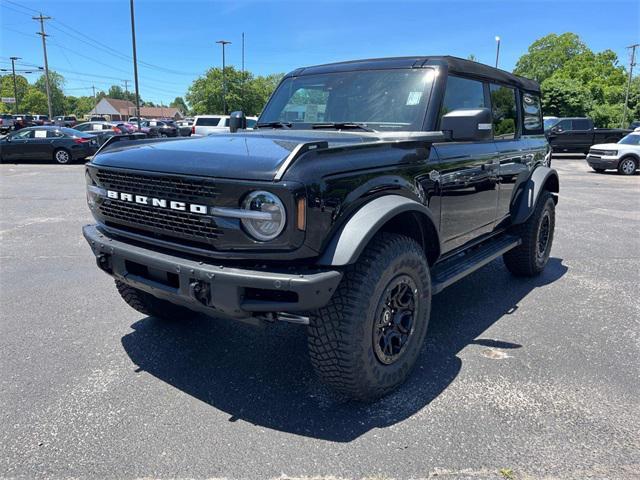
(605, 146)
(246, 156)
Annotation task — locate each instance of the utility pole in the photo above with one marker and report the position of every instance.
(126, 94)
(15, 85)
(626, 97)
(95, 103)
(497, 50)
(224, 83)
(243, 78)
(135, 63)
(46, 62)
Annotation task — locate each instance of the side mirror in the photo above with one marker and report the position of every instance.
(237, 121)
(468, 124)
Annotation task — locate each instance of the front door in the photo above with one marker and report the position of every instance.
(468, 172)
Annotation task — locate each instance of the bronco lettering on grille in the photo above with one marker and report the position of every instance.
(158, 202)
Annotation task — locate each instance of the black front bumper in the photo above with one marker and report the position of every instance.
(598, 162)
(211, 289)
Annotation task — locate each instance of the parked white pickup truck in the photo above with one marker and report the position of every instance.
(207, 124)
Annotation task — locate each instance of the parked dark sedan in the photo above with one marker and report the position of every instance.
(158, 128)
(60, 144)
(102, 130)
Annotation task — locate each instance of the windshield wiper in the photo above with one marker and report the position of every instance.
(274, 125)
(343, 126)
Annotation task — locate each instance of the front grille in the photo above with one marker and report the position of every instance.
(169, 187)
(163, 223)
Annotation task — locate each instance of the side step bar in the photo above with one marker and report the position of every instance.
(453, 269)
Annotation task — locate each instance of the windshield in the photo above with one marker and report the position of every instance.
(378, 99)
(550, 122)
(631, 139)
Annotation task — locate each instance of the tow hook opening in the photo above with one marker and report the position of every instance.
(104, 262)
(201, 291)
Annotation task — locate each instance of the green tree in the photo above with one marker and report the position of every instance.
(6, 90)
(576, 81)
(564, 97)
(34, 102)
(180, 104)
(248, 93)
(56, 82)
(548, 54)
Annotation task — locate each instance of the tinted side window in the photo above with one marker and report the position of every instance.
(208, 122)
(505, 115)
(563, 125)
(581, 124)
(462, 93)
(532, 114)
(54, 134)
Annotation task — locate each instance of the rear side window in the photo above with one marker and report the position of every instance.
(54, 134)
(505, 115)
(208, 121)
(563, 125)
(462, 93)
(531, 114)
(581, 124)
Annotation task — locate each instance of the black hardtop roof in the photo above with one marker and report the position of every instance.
(455, 64)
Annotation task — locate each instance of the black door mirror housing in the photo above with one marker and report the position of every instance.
(468, 124)
(237, 121)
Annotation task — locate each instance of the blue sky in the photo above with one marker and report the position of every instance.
(179, 35)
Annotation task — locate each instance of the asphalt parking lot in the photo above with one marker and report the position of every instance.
(519, 378)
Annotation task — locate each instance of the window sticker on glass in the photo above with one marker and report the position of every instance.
(414, 98)
(41, 134)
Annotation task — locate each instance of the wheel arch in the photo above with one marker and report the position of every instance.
(392, 213)
(525, 199)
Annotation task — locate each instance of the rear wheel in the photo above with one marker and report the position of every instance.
(627, 166)
(149, 305)
(531, 256)
(365, 342)
(61, 156)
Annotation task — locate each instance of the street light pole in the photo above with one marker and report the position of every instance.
(224, 82)
(135, 63)
(44, 36)
(497, 50)
(15, 85)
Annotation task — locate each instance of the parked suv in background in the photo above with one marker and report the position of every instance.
(368, 187)
(69, 121)
(576, 135)
(623, 156)
(6, 123)
(207, 124)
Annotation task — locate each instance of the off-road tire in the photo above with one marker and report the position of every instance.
(147, 304)
(524, 260)
(627, 166)
(341, 334)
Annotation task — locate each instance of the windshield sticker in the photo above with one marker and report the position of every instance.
(41, 134)
(414, 98)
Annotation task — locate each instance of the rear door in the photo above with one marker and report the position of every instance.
(581, 134)
(468, 173)
(514, 155)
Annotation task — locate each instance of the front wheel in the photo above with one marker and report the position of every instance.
(531, 256)
(365, 342)
(627, 166)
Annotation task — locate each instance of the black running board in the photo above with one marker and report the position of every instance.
(462, 264)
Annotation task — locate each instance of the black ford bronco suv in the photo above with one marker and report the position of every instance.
(366, 188)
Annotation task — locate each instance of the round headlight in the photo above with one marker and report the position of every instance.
(269, 218)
